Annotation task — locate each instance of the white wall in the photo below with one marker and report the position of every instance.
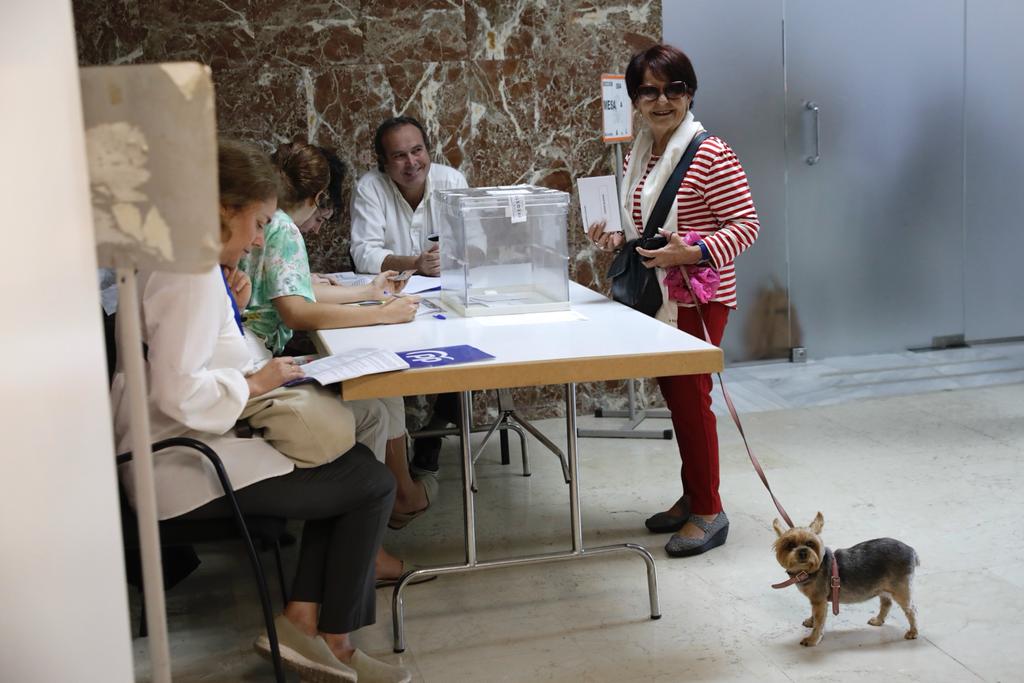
(62, 592)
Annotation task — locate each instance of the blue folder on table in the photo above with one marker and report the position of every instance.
(443, 355)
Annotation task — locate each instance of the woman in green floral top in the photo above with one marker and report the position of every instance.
(287, 297)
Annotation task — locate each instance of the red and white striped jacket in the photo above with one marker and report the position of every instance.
(714, 201)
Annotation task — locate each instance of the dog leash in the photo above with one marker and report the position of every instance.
(732, 409)
(802, 576)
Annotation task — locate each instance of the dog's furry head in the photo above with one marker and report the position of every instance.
(800, 549)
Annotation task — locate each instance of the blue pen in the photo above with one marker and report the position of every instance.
(439, 316)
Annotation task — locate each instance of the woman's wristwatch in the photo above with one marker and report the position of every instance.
(705, 253)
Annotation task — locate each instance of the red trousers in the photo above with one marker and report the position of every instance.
(689, 401)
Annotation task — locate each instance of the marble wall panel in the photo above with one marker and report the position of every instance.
(194, 14)
(108, 32)
(428, 30)
(507, 90)
(503, 29)
(503, 121)
(260, 103)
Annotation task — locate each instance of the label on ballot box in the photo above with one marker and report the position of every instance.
(443, 355)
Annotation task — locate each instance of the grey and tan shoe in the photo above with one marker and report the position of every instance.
(372, 670)
(667, 523)
(310, 656)
(715, 533)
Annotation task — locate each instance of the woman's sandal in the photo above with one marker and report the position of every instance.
(406, 568)
(399, 520)
(667, 523)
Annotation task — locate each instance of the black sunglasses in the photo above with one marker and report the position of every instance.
(673, 91)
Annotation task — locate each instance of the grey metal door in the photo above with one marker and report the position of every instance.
(874, 192)
(741, 97)
(994, 248)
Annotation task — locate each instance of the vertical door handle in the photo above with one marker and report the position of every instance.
(816, 111)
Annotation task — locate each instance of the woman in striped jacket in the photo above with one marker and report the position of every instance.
(711, 222)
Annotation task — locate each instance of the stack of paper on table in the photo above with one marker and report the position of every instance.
(416, 284)
(351, 364)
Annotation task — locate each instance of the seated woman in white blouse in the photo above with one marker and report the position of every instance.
(201, 375)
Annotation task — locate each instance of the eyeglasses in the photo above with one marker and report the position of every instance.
(673, 91)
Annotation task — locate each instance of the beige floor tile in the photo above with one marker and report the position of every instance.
(940, 471)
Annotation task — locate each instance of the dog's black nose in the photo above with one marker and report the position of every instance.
(802, 553)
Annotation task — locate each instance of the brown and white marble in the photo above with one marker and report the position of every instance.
(507, 90)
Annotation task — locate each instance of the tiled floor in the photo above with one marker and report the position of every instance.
(940, 470)
(775, 386)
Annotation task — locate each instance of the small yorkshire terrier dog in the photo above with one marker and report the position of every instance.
(882, 568)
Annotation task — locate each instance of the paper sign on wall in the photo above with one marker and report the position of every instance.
(616, 109)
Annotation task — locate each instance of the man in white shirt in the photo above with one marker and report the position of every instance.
(391, 205)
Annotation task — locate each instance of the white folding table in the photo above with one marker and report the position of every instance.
(608, 342)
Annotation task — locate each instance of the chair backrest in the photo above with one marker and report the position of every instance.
(110, 337)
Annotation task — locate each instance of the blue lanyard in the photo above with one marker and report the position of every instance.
(234, 305)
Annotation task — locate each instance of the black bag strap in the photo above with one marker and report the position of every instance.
(668, 193)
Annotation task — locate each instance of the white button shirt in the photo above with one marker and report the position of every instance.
(383, 223)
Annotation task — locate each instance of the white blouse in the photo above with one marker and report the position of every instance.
(196, 366)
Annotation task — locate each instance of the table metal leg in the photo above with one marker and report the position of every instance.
(522, 446)
(635, 415)
(537, 434)
(575, 521)
(468, 478)
(469, 511)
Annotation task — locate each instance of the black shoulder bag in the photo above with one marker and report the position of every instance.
(632, 283)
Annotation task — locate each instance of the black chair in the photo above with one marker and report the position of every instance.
(178, 535)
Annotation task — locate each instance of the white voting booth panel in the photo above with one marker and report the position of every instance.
(151, 143)
(62, 579)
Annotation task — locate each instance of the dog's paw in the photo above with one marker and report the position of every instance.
(809, 641)
(911, 634)
(875, 621)
(809, 622)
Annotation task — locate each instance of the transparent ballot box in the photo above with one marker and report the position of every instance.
(503, 249)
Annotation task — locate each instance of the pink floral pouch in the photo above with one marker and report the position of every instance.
(703, 279)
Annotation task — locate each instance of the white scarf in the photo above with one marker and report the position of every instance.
(660, 174)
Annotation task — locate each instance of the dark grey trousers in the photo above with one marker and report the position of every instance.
(346, 505)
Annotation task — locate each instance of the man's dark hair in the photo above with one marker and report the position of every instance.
(394, 122)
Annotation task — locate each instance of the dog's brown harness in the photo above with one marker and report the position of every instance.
(804, 576)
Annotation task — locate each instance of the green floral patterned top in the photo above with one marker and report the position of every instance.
(280, 268)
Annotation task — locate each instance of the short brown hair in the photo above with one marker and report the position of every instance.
(304, 172)
(245, 174)
(390, 124)
(664, 61)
